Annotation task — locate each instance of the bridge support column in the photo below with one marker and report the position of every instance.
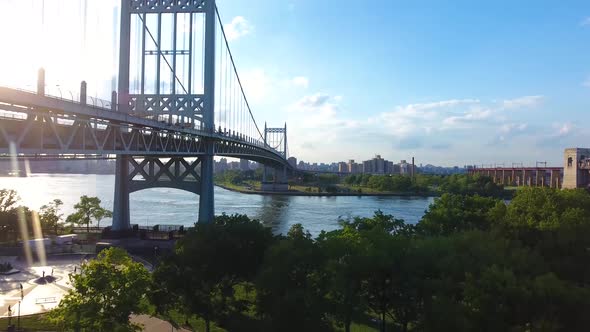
(41, 82)
(528, 178)
(121, 220)
(555, 179)
(279, 182)
(540, 178)
(206, 201)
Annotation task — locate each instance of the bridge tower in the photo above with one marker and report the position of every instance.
(275, 138)
(160, 44)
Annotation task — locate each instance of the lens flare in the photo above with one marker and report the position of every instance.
(38, 234)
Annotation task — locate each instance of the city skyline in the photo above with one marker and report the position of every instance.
(468, 84)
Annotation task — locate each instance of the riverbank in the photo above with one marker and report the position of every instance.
(244, 190)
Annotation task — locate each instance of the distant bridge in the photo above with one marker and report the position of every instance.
(523, 176)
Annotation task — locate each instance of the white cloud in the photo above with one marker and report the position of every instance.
(521, 102)
(416, 108)
(300, 81)
(311, 103)
(424, 118)
(563, 129)
(585, 22)
(513, 127)
(322, 125)
(238, 27)
(472, 115)
(257, 84)
(510, 130)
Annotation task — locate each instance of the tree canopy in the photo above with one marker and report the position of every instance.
(88, 209)
(108, 290)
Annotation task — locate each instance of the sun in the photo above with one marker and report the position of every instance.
(56, 38)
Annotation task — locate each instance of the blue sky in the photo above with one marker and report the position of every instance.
(458, 82)
(449, 82)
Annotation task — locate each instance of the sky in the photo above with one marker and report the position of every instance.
(448, 82)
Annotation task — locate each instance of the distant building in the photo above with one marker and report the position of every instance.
(234, 165)
(343, 167)
(576, 170)
(221, 165)
(439, 170)
(376, 165)
(244, 165)
(406, 168)
(354, 168)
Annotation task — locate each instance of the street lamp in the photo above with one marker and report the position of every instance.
(18, 319)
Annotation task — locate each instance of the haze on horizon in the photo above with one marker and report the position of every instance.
(466, 83)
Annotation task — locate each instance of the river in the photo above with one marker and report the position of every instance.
(170, 206)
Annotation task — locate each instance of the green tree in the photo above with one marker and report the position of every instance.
(111, 288)
(101, 214)
(8, 199)
(385, 222)
(452, 213)
(208, 264)
(345, 250)
(291, 286)
(86, 210)
(466, 184)
(50, 216)
(555, 223)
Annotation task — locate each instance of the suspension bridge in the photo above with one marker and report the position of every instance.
(179, 102)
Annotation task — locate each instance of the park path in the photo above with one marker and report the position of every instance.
(153, 324)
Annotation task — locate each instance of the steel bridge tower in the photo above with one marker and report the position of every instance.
(275, 138)
(161, 27)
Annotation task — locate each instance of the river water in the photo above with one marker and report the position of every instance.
(170, 206)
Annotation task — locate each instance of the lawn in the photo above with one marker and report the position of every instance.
(29, 323)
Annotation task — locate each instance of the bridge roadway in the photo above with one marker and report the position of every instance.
(48, 125)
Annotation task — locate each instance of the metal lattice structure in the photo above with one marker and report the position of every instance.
(276, 139)
(163, 124)
(167, 6)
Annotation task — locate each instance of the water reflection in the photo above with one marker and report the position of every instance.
(273, 211)
(170, 206)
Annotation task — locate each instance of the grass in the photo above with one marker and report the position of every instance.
(29, 323)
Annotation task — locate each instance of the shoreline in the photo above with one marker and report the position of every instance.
(300, 193)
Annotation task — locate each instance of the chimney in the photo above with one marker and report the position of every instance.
(413, 169)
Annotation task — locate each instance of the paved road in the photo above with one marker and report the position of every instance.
(40, 298)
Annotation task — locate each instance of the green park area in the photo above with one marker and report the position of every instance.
(370, 184)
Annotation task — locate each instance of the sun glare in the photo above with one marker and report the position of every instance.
(61, 37)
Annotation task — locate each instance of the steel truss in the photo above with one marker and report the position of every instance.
(46, 133)
(167, 6)
(153, 172)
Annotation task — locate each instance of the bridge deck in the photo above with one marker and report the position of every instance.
(36, 124)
